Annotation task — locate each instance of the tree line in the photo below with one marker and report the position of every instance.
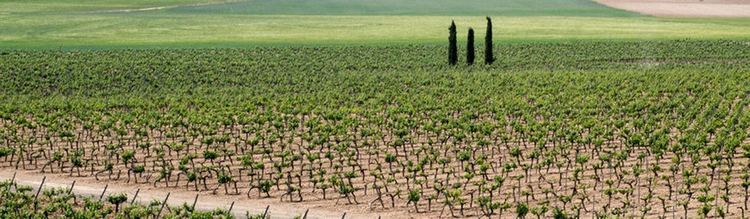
(489, 57)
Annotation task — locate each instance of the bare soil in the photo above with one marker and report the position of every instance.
(684, 8)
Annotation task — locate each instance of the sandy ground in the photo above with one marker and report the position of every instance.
(684, 8)
(87, 187)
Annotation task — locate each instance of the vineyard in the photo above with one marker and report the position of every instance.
(20, 201)
(564, 130)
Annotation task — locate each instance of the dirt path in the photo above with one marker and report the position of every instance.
(177, 197)
(684, 8)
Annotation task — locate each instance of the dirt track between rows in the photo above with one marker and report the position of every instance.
(684, 8)
(86, 187)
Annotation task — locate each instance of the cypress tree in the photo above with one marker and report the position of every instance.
(489, 58)
(470, 47)
(452, 47)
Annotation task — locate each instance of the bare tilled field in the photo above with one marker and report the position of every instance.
(684, 8)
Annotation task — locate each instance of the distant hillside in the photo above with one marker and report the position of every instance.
(412, 7)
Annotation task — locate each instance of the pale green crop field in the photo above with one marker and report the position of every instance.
(204, 23)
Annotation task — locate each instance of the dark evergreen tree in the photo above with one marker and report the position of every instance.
(470, 47)
(452, 47)
(489, 58)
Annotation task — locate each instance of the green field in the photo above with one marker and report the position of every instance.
(409, 7)
(272, 71)
(186, 23)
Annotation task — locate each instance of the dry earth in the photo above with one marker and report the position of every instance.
(684, 8)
